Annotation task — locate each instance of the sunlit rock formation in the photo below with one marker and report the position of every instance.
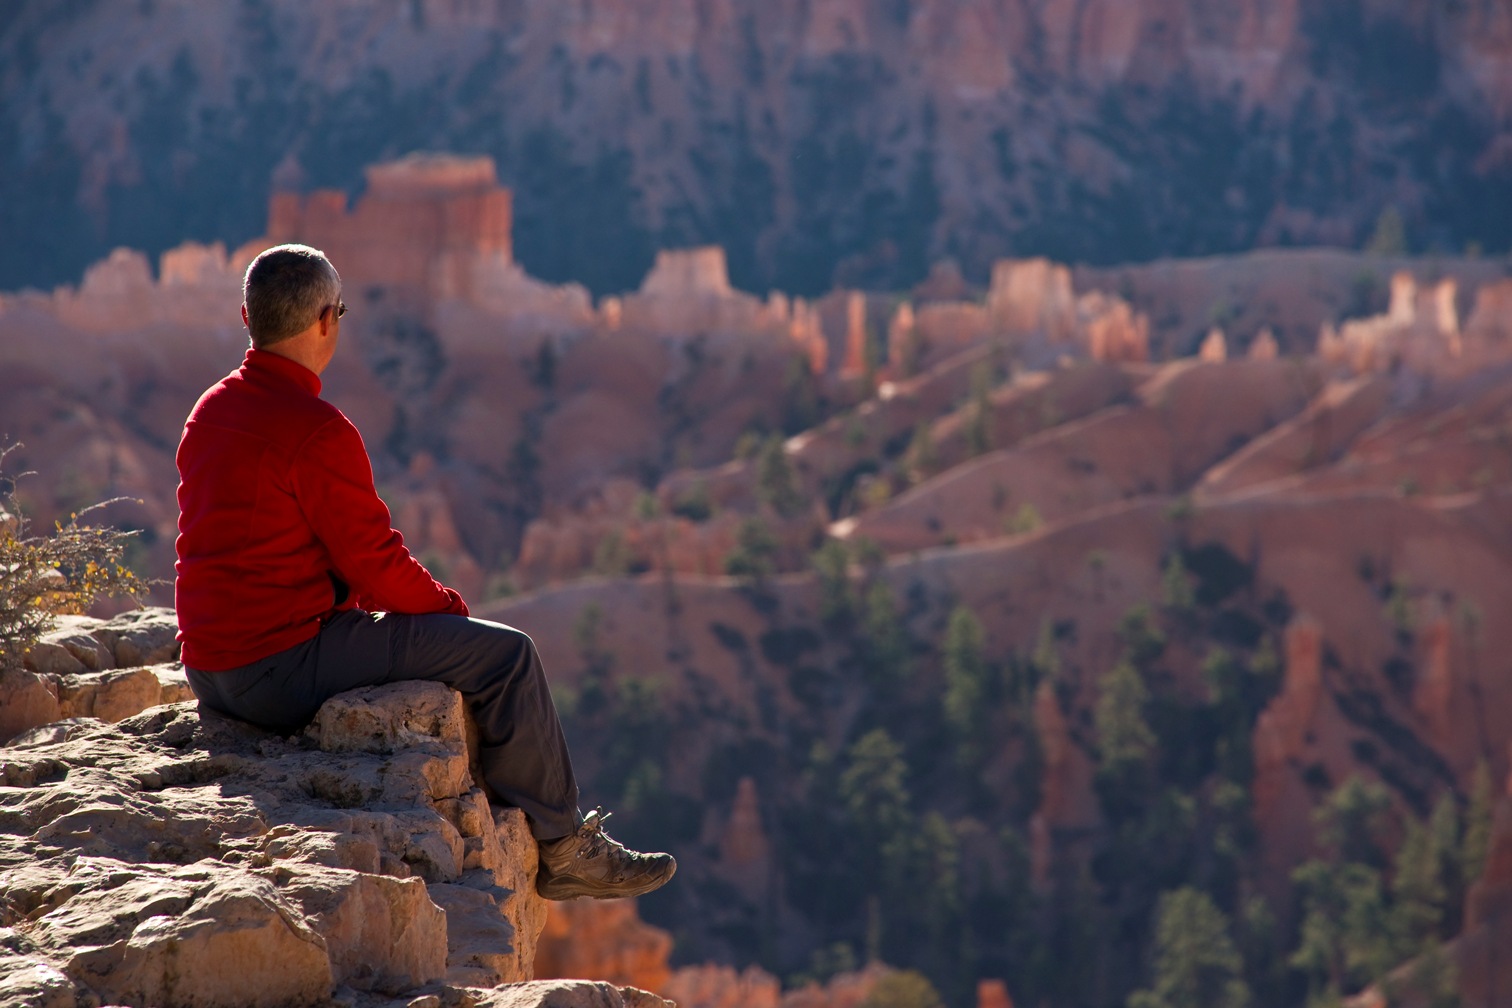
(353, 863)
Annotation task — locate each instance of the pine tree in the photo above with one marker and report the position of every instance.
(940, 897)
(1196, 962)
(800, 397)
(1142, 637)
(837, 602)
(1046, 659)
(1417, 889)
(966, 686)
(776, 484)
(1125, 748)
(1124, 736)
(1444, 837)
(1351, 932)
(979, 413)
(1390, 235)
(881, 822)
(903, 989)
(1351, 822)
(1345, 939)
(755, 552)
(1477, 834)
(920, 460)
(1177, 592)
(886, 647)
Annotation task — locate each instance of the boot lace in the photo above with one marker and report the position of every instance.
(595, 840)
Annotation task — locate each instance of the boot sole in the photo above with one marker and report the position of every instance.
(566, 887)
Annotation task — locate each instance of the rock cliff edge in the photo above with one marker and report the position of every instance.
(176, 858)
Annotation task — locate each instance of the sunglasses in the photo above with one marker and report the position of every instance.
(340, 307)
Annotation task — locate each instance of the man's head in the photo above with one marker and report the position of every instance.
(287, 289)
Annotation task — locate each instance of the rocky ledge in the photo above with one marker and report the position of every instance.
(175, 858)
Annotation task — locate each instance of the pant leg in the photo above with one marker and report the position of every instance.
(283, 691)
(522, 750)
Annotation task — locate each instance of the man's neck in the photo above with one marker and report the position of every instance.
(301, 351)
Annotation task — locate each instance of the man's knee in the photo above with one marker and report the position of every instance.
(514, 648)
(468, 653)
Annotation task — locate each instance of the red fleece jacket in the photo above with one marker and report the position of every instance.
(279, 523)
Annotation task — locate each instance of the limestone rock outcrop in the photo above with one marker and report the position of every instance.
(193, 281)
(351, 864)
(993, 994)
(605, 940)
(745, 850)
(561, 994)
(1479, 953)
(688, 292)
(1066, 805)
(417, 228)
(1420, 331)
(713, 986)
(723, 987)
(1051, 501)
(1292, 293)
(844, 990)
(1032, 303)
(86, 667)
(1285, 728)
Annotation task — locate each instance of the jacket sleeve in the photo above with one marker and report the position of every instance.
(333, 482)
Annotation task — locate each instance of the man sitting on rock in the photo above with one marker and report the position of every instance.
(292, 586)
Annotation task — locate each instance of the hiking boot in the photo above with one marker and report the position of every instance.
(589, 862)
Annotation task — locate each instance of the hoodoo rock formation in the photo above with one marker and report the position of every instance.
(1058, 595)
(456, 356)
(1333, 591)
(605, 940)
(1288, 731)
(418, 226)
(1066, 809)
(427, 229)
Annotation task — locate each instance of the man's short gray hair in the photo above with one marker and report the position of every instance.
(285, 290)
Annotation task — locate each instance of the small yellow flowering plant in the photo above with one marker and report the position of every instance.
(42, 576)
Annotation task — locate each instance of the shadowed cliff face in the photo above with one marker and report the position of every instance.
(843, 142)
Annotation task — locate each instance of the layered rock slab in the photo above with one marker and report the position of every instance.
(87, 667)
(174, 859)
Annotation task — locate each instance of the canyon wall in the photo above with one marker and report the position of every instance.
(844, 143)
(757, 532)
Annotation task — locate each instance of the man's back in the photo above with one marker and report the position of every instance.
(279, 523)
(252, 576)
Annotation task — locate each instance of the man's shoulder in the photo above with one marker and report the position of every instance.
(236, 403)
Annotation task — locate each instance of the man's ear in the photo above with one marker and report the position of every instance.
(245, 320)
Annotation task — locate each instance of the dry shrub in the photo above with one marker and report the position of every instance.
(42, 576)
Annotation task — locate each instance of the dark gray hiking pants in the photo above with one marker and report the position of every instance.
(521, 746)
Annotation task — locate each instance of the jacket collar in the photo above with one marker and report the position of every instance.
(279, 367)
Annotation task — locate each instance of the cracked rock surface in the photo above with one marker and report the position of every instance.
(180, 859)
(86, 667)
